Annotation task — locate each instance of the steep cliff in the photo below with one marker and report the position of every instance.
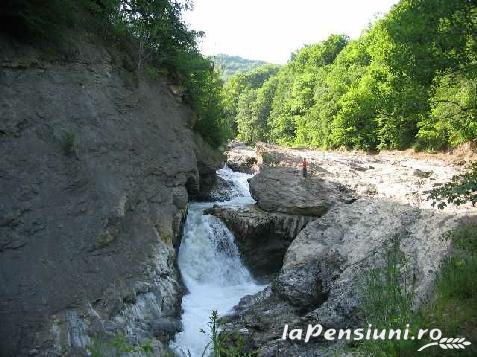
(96, 169)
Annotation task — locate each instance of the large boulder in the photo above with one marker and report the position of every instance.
(285, 190)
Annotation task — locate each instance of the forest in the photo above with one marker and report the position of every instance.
(230, 65)
(410, 80)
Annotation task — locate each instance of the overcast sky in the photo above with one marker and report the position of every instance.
(270, 30)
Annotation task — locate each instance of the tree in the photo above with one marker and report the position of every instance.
(453, 117)
(409, 80)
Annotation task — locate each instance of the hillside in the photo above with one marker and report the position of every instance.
(407, 81)
(230, 65)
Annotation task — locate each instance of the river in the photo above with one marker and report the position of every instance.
(211, 267)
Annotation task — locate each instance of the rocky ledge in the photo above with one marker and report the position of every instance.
(286, 202)
(285, 190)
(262, 237)
(360, 209)
(241, 158)
(324, 269)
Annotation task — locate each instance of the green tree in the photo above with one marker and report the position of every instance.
(239, 85)
(453, 116)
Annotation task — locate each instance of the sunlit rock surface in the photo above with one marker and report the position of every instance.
(324, 268)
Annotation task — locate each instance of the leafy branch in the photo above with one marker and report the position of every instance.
(462, 189)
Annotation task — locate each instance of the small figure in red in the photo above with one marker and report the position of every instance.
(305, 168)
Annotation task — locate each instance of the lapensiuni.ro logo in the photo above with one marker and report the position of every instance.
(370, 333)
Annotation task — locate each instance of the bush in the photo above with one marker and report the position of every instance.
(26, 19)
(387, 303)
(454, 306)
(387, 299)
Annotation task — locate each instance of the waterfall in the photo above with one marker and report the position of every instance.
(211, 267)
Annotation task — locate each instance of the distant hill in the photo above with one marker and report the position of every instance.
(235, 64)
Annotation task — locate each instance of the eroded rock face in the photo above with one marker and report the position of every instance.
(96, 169)
(322, 277)
(285, 190)
(262, 237)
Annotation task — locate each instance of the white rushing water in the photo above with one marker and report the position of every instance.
(211, 267)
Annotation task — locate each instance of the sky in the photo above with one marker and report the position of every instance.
(270, 30)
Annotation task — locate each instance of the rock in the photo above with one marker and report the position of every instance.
(242, 158)
(221, 190)
(322, 277)
(96, 170)
(208, 162)
(421, 173)
(165, 328)
(284, 190)
(262, 237)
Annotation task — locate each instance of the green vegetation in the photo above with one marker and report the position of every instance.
(410, 80)
(387, 304)
(241, 96)
(462, 189)
(230, 65)
(152, 32)
(223, 344)
(119, 345)
(453, 308)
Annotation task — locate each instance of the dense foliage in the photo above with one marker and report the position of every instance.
(409, 80)
(154, 31)
(241, 96)
(230, 65)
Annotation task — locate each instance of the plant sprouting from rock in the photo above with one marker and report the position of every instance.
(222, 344)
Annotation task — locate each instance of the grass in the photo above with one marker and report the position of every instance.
(223, 344)
(118, 346)
(453, 309)
(387, 302)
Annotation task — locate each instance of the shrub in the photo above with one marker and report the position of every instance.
(387, 303)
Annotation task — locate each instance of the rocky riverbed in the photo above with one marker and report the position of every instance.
(315, 239)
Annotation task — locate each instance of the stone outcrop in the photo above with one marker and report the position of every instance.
(241, 158)
(325, 267)
(363, 208)
(96, 170)
(285, 190)
(262, 237)
(286, 202)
